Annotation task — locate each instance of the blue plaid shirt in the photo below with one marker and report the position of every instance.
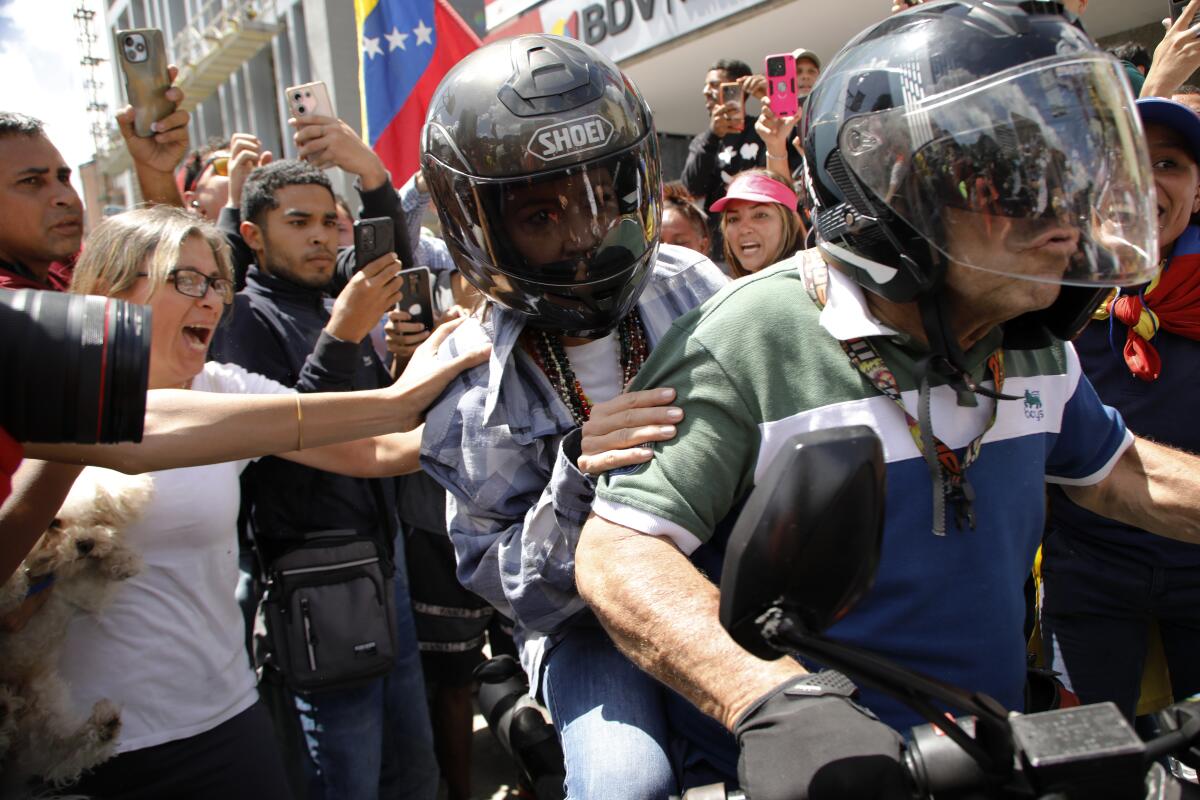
(504, 444)
(430, 251)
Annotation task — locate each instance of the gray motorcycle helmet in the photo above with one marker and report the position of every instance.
(542, 160)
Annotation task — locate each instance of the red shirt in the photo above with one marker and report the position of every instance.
(13, 276)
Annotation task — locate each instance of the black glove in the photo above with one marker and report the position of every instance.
(807, 740)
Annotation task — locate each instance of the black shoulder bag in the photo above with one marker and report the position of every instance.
(326, 619)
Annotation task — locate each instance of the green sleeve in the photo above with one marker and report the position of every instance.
(697, 477)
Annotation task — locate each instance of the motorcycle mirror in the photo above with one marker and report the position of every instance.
(808, 537)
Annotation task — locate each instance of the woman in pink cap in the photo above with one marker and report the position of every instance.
(759, 221)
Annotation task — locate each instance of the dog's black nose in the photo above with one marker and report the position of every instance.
(84, 546)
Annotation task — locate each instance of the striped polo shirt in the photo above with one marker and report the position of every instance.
(760, 362)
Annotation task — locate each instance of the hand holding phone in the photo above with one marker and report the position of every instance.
(143, 60)
(416, 295)
(373, 238)
(734, 99)
(781, 84)
(1175, 9)
(309, 99)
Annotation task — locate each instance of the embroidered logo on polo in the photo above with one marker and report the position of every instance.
(564, 139)
(1033, 405)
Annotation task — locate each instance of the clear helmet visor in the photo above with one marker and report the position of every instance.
(1039, 172)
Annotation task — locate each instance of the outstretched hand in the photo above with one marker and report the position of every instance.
(427, 375)
(614, 435)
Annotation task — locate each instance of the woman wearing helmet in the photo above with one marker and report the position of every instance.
(542, 160)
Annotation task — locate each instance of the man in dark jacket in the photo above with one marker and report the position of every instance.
(280, 328)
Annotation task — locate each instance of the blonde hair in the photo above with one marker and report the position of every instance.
(143, 240)
(789, 243)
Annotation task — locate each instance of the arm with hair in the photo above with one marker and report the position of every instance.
(1152, 487)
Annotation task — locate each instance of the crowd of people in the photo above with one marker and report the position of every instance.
(971, 238)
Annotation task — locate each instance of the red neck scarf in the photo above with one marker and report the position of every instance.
(1170, 302)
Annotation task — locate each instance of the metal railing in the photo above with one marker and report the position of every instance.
(215, 20)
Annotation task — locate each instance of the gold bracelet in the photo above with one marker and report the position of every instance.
(299, 424)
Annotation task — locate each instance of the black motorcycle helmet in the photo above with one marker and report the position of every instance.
(542, 160)
(991, 107)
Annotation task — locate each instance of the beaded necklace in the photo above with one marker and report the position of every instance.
(548, 352)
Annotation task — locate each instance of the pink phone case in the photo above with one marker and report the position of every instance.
(780, 70)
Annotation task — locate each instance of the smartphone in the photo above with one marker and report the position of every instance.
(1175, 9)
(781, 84)
(416, 295)
(309, 99)
(373, 237)
(143, 60)
(732, 95)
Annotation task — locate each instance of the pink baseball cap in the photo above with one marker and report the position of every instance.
(756, 188)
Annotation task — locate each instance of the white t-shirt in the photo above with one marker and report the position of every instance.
(170, 647)
(597, 367)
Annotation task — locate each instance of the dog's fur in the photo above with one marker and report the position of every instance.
(41, 735)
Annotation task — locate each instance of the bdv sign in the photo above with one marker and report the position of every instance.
(564, 139)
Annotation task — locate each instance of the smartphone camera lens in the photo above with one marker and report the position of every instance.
(297, 96)
(300, 110)
(129, 41)
(141, 48)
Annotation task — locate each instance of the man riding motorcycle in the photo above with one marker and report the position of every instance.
(978, 178)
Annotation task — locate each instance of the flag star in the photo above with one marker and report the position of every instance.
(395, 39)
(371, 46)
(424, 34)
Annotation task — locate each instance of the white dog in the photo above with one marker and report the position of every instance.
(41, 735)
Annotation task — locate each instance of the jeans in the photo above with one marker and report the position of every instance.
(611, 718)
(375, 741)
(1096, 615)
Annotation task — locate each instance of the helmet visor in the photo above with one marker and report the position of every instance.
(582, 224)
(1039, 172)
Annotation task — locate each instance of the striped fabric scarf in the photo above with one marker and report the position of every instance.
(1169, 302)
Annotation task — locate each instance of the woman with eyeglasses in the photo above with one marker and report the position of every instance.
(169, 649)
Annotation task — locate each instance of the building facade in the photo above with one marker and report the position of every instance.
(237, 56)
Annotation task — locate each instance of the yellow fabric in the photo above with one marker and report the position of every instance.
(1156, 681)
(1147, 324)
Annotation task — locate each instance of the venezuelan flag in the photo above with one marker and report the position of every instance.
(405, 47)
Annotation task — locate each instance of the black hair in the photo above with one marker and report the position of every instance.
(258, 195)
(732, 67)
(1132, 52)
(194, 165)
(14, 124)
(1187, 88)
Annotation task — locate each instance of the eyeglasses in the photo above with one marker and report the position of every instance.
(220, 165)
(196, 169)
(192, 282)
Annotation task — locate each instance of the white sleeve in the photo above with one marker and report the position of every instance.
(232, 379)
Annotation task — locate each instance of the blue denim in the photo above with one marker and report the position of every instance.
(610, 717)
(375, 742)
(1096, 613)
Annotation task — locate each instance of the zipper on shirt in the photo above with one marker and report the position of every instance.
(310, 638)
